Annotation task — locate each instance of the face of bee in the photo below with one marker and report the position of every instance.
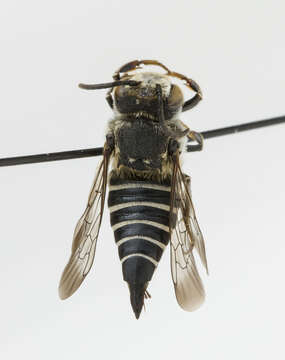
(143, 97)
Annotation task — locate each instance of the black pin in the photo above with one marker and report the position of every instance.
(82, 153)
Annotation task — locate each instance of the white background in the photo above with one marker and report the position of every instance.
(235, 51)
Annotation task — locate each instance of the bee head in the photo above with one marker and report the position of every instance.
(142, 98)
(136, 94)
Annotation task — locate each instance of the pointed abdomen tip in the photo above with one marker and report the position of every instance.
(137, 292)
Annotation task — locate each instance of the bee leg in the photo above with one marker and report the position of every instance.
(193, 136)
(191, 84)
(198, 137)
(189, 104)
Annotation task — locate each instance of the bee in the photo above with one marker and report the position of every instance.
(149, 195)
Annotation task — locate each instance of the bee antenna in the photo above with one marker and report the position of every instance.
(109, 85)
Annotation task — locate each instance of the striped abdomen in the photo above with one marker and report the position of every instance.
(140, 220)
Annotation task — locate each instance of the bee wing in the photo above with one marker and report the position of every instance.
(86, 234)
(185, 236)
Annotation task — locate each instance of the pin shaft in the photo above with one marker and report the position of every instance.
(75, 154)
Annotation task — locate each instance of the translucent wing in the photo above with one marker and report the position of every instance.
(185, 236)
(85, 235)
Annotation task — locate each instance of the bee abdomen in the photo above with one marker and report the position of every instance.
(140, 220)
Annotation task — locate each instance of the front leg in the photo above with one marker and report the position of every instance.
(191, 84)
(189, 104)
(193, 136)
(198, 137)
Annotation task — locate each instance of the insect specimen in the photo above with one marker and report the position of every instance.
(149, 195)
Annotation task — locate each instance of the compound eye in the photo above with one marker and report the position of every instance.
(122, 91)
(175, 98)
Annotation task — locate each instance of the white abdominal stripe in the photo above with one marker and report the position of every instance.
(137, 203)
(139, 185)
(155, 263)
(147, 222)
(128, 238)
(140, 219)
